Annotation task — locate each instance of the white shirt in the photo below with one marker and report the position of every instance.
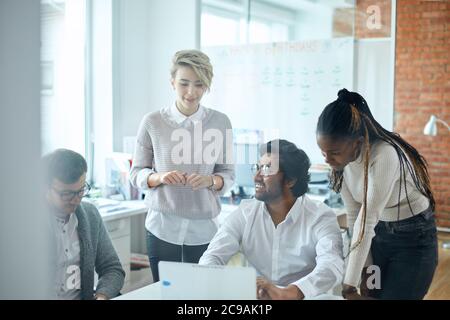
(305, 249)
(172, 228)
(68, 274)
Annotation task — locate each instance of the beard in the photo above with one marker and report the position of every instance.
(269, 195)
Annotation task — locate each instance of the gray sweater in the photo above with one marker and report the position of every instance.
(97, 251)
(163, 145)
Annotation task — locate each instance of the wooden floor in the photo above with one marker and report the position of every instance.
(440, 287)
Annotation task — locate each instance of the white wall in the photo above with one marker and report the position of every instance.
(146, 35)
(24, 271)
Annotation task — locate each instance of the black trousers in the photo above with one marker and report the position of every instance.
(159, 250)
(406, 252)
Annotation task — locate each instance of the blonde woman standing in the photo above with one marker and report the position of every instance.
(181, 160)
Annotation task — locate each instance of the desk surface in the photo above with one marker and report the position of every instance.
(150, 292)
(112, 209)
(153, 292)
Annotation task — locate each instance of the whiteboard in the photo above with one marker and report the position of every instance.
(280, 88)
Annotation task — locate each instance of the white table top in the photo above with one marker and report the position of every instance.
(113, 209)
(153, 292)
(150, 292)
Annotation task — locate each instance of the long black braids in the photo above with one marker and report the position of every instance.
(350, 117)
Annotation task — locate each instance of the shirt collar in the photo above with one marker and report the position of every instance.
(293, 214)
(62, 217)
(296, 209)
(179, 118)
(67, 219)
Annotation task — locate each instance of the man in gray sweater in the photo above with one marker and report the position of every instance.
(81, 240)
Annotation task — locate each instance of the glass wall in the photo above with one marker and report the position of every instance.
(278, 63)
(232, 22)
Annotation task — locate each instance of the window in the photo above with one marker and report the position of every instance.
(76, 92)
(63, 75)
(228, 29)
(263, 32)
(243, 22)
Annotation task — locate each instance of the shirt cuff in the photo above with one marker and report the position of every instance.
(306, 288)
(227, 184)
(142, 178)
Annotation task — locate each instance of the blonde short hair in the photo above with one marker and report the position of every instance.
(198, 61)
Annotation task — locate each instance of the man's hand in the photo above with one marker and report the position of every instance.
(197, 181)
(99, 296)
(268, 291)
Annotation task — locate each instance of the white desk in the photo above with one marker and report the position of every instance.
(150, 292)
(153, 292)
(117, 218)
(120, 209)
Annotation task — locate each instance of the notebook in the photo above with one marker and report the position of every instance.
(188, 281)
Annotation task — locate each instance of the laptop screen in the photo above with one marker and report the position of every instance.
(188, 281)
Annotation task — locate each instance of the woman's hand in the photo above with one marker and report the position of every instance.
(171, 177)
(363, 287)
(351, 293)
(197, 181)
(268, 291)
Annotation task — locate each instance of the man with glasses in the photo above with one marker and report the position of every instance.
(82, 242)
(293, 242)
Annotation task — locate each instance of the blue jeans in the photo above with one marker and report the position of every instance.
(159, 250)
(406, 252)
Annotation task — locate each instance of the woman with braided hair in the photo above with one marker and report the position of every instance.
(385, 186)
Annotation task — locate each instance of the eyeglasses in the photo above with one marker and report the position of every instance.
(69, 195)
(265, 170)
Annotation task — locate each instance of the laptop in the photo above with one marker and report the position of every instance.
(188, 281)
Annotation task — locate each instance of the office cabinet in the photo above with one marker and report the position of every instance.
(120, 232)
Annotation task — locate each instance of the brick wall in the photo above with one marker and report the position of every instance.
(422, 87)
(422, 77)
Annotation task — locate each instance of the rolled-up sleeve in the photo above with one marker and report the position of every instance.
(329, 269)
(352, 207)
(142, 178)
(226, 243)
(381, 181)
(142, 165)
(225, 168)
